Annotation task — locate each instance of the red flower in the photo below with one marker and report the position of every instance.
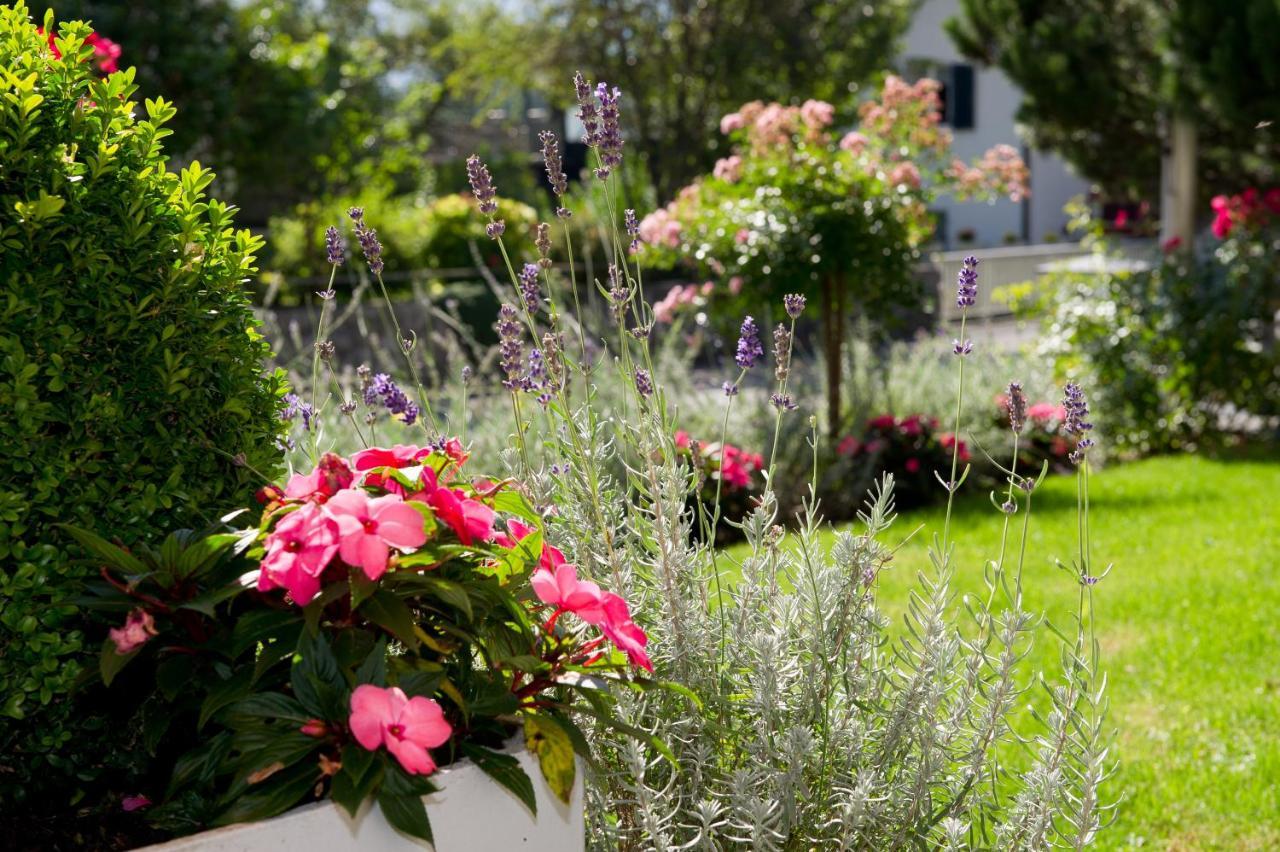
(912, 465)
(948, 441)
(848, 446)
(106, 53)
(884, 422)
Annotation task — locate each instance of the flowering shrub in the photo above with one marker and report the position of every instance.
(131, 371)
(401, 615)
(1041, 440)
(1185, 351)
(911, 448)
(800, 208)
(727, 476)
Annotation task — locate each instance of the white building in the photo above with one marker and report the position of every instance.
(980, 108)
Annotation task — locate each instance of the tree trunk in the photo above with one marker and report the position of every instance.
(1178, 182)
(832, 344)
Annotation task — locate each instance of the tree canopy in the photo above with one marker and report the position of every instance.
(1101, 79)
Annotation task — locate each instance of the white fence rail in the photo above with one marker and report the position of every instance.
(998, 267)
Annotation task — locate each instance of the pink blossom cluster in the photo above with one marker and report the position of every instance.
(728, 169)
(682, 297)
(106, 53)
(733, 465)
(1249, 209)
(1000, 171)
(661, 228)
(773, 125)
(906, 114)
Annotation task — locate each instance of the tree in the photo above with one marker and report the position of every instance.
(1103, 80)
(681, 64)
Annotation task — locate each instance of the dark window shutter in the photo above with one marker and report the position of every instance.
(959, 104)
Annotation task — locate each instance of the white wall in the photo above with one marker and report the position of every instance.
(996, 101)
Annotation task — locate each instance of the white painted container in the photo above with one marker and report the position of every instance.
(470, 813)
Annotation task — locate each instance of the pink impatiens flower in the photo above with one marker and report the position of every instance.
(469, 519)
(563, 590)
(298, 550)
(129, 804)
(401, 455)
(139, 626)
(369, 528)
(623, 632)
(551, 557)
(331, 475)
(406, 726)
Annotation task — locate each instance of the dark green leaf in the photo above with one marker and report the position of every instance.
(506, 770)
(105, 550)
(275, 795)
(407, 814)
(317, 681)
(389, 612)
(225, 692)
(374, 668)
(270, 705)
(110, 663)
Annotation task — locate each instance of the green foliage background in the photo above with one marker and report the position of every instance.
(130, 374)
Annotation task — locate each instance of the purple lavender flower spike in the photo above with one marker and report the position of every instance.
(508, 328)
(333, 245)
(482, 185)
(729, 388)
(961, 347)
(529, 287)
(783, 402)
(393, 398)
(551, 158)
(1016, 406)
(750, 349)
(495, 229)
(794, 303)
(588, 114)
(1075, 423)
(967, 283)
(368, 239)
(294, 408)
(609, 142)
(644, 383)
(633, 228)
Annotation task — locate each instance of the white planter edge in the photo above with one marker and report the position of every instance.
(470, 813)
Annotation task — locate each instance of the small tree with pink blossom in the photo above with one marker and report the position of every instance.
(797, 207)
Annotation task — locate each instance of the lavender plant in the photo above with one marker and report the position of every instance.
(786, 713)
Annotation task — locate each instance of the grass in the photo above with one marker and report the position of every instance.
(1189, 625)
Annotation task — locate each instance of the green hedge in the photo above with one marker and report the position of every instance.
(130, 377)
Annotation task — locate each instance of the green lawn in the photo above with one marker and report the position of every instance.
(1189, 624)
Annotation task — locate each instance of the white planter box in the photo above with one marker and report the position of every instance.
(471, 813)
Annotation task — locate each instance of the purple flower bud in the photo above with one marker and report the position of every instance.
(1016, 405)
(1075, 423)
(783, 402)
(644, 383)
(529, 287)
(482, 185)
(781, 352)
(749, 348)
(967, 283)
(961, 347)
(333, 245)
(495, 229)
(294, 408)
(510, 347)
(633, 228)
(554, 164)
(542, 240)
(587, 112)
(729, 388)
(393, 398)
(609, 142)
(794, 303)
(368, 239)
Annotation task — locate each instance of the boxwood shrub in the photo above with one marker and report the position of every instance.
(132, 388)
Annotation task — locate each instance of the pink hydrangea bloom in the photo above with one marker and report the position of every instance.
(905, 174)
(406, 726)
(331, 475)
(298, 550)
(368, 528)
(139, 627)
(728, 169)
(817, 114)
(855, 143)
(731, 122)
